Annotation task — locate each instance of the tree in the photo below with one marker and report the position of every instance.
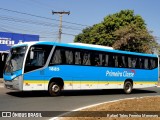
(132, 38)
(123, 30)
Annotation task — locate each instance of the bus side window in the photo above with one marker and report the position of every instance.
(69, 56)
(116, 60)
(86, 58)
(120, 62)
(146, 63)
(124, 61)
(96, 59)
(56, 58)
(100, 59)
(78, 58)
(153, 63)
(111, 61)
(129, 62)
(149, 63)
(105, 60)
(134, 62)
(141, 63)
(63, 57)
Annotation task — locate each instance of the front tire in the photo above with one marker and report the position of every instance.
(128, 87)
(54, 89)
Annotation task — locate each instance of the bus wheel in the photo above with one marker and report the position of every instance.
(54, 89)
(128, 86)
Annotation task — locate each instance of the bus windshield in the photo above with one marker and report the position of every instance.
(15, 59)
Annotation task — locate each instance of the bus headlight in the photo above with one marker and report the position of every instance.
(16, 79)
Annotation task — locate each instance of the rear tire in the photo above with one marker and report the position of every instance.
(54, 89)
(128, 87)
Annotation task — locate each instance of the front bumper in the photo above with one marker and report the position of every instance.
(15, 84)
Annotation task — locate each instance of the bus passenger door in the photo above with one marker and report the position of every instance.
(34, 72)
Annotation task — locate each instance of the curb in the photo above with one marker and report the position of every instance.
(59, 117)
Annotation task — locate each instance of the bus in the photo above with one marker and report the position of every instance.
(54, 67)
(3, 56)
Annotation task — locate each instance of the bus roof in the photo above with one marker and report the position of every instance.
(85, 46)
(91, 45)
(25, 44)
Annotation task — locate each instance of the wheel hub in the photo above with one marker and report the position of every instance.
(128, 87)
(55, 88)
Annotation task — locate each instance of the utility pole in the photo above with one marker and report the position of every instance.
(60, 24)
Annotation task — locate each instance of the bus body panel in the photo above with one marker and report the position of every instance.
(86, 77)
(34, 80)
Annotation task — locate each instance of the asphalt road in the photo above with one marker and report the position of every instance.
(69, 100)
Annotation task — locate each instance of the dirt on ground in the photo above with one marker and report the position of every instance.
(147, 108)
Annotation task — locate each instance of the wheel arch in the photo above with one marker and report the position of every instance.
(58, 80)
(130, 80)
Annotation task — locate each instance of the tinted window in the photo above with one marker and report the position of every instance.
(37, 57)
(65, 55)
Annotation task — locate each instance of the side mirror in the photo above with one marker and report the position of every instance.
(31, 54)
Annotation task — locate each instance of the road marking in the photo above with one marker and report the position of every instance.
(89, 106)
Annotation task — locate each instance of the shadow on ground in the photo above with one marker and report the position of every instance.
(78, 93)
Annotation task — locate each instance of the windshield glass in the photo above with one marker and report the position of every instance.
(15, 59)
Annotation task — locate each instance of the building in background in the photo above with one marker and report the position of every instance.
(7, 40)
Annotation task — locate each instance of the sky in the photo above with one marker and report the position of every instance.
(35, 16)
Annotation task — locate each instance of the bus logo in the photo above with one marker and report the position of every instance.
(125, 73)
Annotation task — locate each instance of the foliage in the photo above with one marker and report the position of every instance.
(132, 38)
(122, 30)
